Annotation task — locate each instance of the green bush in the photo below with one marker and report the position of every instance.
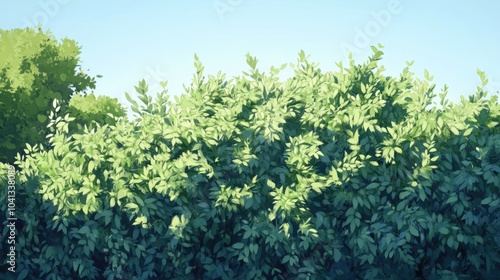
(88, 110)
(34, 70)
(340, 175)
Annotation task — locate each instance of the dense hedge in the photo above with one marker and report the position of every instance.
(339, 175)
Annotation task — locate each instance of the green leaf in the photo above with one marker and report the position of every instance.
(117, 221)
(84, 230)
(427, 76)
(90, 166)
(337, 255)
(372, 186)
(133, 102)
(285, 259)
(175, 221)
(107, 219)
(444, 230)
(140, 220)
(22, 274)
(454, 130)
(361, 243)
(413, 231)
(271, 184)
(450, 242)
(131, 205)
(302, 55)
(404, 194)
(440, 122)
(126, 246)
(355, 139)
(316, 186)
(478, 239)
(238, 246)
(486, 200)
(41, 118)
(121, 194)
(398, 150)
(251, 61)
(482, 76)
(451, 199)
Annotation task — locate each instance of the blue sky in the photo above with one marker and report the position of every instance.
(126, 41)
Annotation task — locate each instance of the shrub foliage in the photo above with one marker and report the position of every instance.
(342, 175)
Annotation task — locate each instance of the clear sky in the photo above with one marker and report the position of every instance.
(126, 41)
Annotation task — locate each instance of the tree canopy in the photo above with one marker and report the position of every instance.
(35, 69)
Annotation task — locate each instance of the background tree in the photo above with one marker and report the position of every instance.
(35, 68)
(87, 110)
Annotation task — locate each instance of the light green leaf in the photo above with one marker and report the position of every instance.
(354, 139)
(427, 76)
(175, 221)
(454, 130)
(317, 187)
(271, 184)
(90, 166)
